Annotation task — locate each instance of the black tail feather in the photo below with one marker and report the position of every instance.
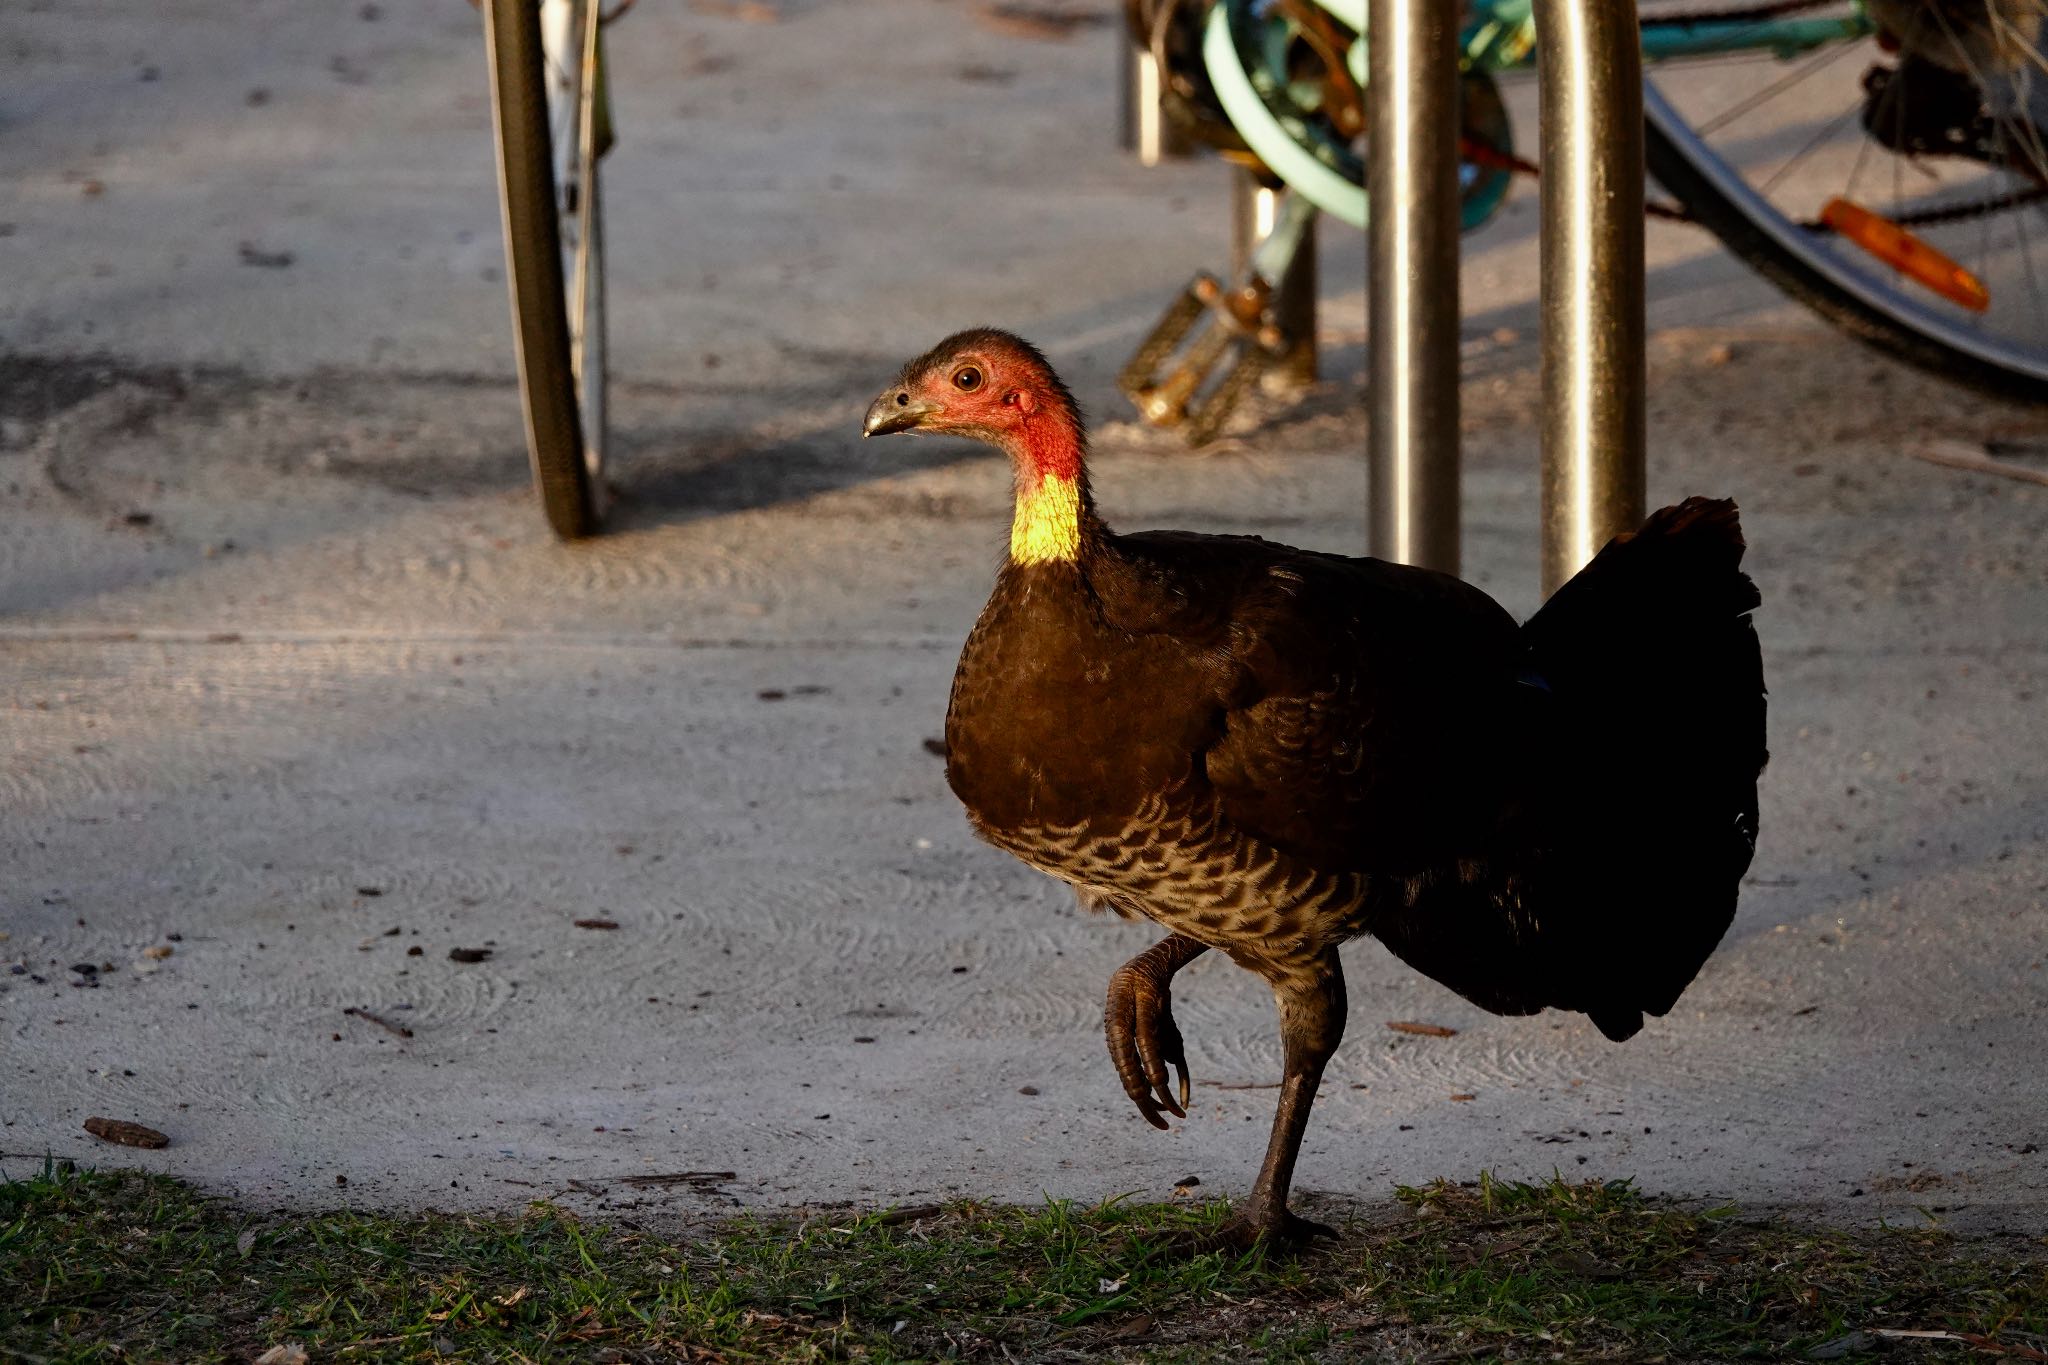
(1640, 740)
(1657, 698)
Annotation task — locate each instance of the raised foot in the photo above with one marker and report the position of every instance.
(1144, 1040)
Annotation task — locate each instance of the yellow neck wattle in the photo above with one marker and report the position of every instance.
(1047, 527)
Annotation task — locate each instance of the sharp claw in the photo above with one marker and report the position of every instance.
(1178, 1108)
(1143, 1039)
(1155, 1074)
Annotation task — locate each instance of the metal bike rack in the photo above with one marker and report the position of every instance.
(1589, 69)
(1412, 288)
(1589, 64)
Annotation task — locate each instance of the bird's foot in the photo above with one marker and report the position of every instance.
(1143, 1039)
(1283, 1234)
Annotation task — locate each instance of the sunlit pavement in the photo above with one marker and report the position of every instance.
(296, 685)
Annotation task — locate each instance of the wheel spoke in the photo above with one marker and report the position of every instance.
(1806, 70)
(2030, 136)
(1813, 144)
(1963, 142)
(2027, 260)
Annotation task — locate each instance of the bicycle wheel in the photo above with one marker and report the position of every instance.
(1927, 113)
(547, 109)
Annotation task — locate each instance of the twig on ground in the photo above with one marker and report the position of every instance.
(379, 1020)
(1958, 455)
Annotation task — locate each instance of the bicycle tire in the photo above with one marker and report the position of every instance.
(533, 261)
(1714, 195)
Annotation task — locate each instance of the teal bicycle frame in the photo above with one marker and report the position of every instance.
(1245, 56)
(1505, 35)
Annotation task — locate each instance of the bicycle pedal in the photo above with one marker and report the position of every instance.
(1140, 374)
(1206, 418)
(1240, 340)
(1162, 394)
(1167, 403)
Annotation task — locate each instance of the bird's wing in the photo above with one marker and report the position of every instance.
(1362, 704)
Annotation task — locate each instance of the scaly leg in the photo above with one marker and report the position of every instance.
(1143, 1039)
(1312, 1011)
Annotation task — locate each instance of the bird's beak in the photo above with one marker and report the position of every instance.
(895, 410)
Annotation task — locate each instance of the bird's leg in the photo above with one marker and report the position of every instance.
(1138, 1021)
(1312, 1011)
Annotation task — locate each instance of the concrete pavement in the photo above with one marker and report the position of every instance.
(290, 670)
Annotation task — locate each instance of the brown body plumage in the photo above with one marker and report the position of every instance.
(1270, 751)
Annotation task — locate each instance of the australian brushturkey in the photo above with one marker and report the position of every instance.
(1269, 751)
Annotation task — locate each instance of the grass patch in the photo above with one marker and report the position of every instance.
(126, 1266)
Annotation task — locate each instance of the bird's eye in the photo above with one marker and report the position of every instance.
(967, 378)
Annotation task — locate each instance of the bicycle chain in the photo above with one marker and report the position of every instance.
(1772, 9)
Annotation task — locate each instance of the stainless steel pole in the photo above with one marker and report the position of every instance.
(1412, 176)
(1590, 73)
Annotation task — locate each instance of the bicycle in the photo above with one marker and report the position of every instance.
(1953, 93)
(552, 119)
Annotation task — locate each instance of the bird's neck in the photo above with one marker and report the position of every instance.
(1055, 514)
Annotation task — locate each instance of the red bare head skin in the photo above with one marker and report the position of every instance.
(993, 387)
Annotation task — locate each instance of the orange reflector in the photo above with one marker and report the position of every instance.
(1902, 251)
